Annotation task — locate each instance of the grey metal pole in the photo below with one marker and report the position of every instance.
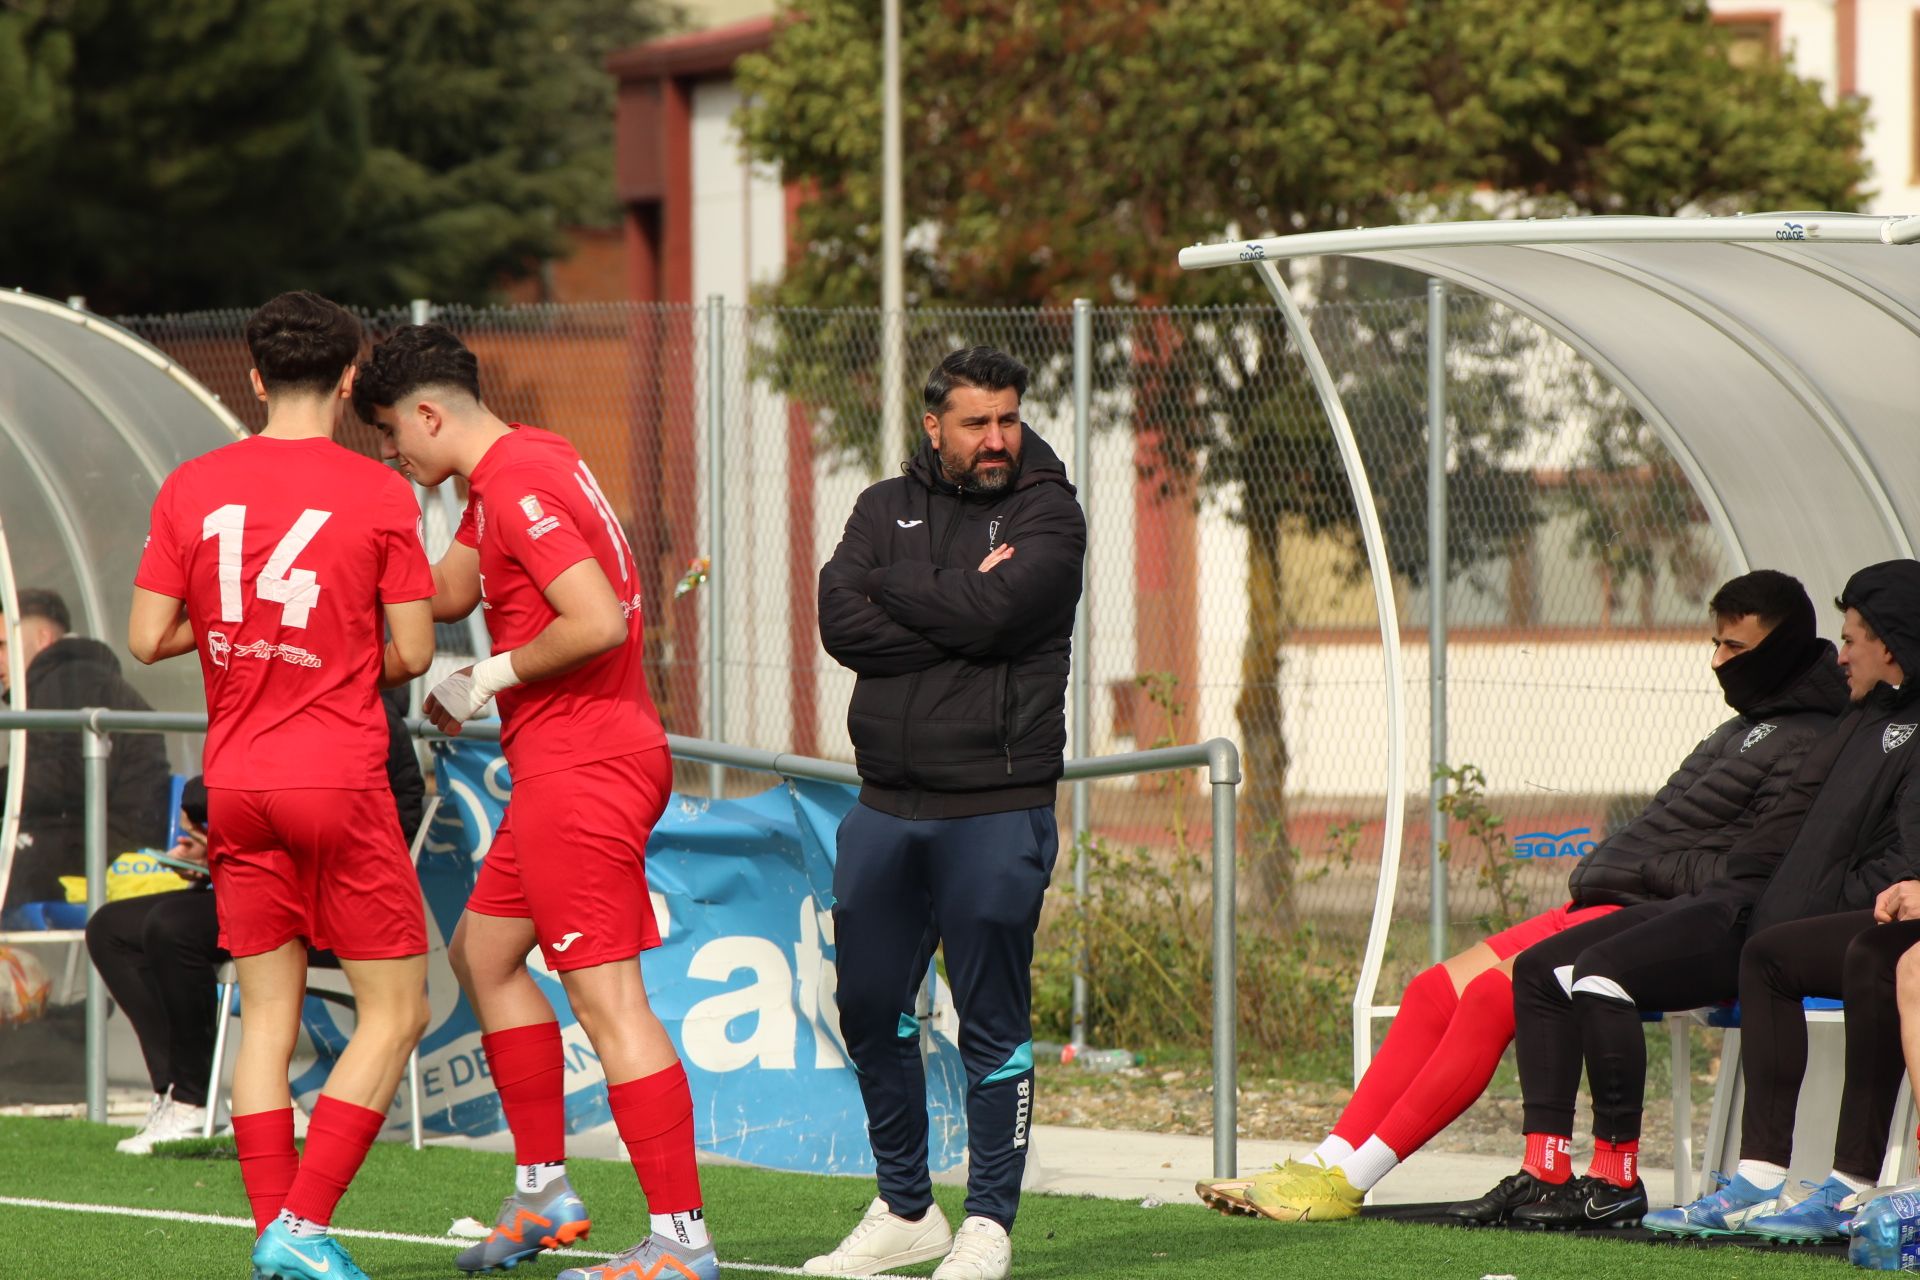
(893, 222)
(716, 726)
(94, 746)
(1437, 607)
(1223, 773)
(1077, 673)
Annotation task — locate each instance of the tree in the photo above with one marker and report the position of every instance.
(169, 154)
(1056, 151)
(179, 143)
(36, 57)
(491, 124)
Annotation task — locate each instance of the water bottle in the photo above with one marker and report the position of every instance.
(1886, 1231)
(1099, 1059)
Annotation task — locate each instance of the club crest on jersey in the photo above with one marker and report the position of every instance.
(531, 505)
(1896, 735)
(1754, 735)
(217, 647)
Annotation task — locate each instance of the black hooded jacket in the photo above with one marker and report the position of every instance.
(1849, 823)
(1679, 843)
(71, 673)
(960, 705)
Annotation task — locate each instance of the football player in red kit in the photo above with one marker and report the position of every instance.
(279, 559)
(540, 551)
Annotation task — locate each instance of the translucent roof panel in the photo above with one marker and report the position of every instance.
(91, 420)
(1778, 355)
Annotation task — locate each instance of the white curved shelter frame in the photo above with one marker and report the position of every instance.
(1777, 356)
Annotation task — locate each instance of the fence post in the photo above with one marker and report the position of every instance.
(1223, 774)
(94, 746)
(716, 536)
(1437, 607)
(1077, 673)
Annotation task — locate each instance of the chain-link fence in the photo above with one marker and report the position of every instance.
(1227, 594)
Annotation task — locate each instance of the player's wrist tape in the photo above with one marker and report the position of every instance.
(491, 675)
(464, 694)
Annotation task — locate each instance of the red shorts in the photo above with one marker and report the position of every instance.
(319, 863)
(1509, 943)
(582, 877)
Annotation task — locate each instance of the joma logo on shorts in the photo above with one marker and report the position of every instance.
(1022, 1109)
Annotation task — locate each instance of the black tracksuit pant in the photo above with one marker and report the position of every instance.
(157, 956)
(1578, 995)
(1845, 956)
(973, 885)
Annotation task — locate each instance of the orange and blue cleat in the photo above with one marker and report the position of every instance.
(550, 1219)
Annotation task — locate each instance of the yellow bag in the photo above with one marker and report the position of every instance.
(131, 875)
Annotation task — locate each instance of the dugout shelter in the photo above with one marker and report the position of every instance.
(91, 421)
(1776, 356)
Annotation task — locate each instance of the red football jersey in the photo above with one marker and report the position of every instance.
(534, 511)
(284, 551)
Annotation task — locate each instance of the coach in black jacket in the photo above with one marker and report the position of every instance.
(1844, 831)
(951, 595)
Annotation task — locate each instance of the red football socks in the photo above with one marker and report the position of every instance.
(338, 1136)
(530, 1072)
(1549, 1157)
(654, 1116)
(1426, 1008)
(1616, 1162)
(268, 1162)
(1458, 1069)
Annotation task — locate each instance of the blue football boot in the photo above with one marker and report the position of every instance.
(1724, 1213)
(1816, 1220)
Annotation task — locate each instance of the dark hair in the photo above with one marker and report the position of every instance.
(302, 342)
(193, 798)
(39, 602)
(416, 356)
(1765, 594)
(982, 367)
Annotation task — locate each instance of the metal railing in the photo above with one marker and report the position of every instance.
(1220, 757)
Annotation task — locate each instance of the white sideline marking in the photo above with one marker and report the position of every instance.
(217, 1220)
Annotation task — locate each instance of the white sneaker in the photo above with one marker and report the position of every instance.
(884, 1241)
(981, 1251)
(142, 1140)
(178, 1121)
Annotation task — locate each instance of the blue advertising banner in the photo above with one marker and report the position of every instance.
(744, 980)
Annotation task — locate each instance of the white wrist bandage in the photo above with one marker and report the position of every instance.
(464, 695)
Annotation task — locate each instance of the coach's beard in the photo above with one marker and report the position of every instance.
(973, 480)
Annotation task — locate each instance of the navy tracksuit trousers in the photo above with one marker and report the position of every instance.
(973, 885)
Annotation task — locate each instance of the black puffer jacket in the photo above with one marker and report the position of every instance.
(1679, 843)
(71, 673)
(1849, 824)
(960, 704)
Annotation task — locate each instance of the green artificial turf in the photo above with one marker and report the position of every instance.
(758, 1217)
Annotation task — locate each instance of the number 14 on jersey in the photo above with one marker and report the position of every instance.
(296, 591)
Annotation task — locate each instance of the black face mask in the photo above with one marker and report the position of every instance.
(1764, 671)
